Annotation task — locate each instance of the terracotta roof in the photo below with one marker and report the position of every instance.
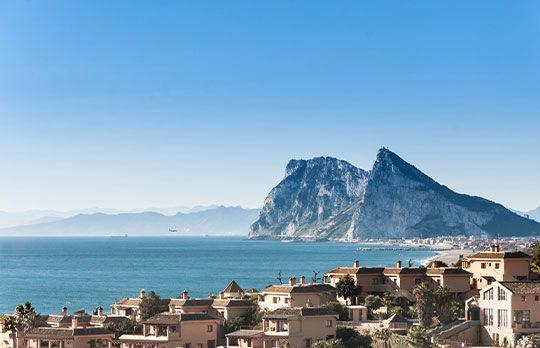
(244, 333)
(448, 270)
(357, 270)
(252, 291)
(522, 287)
(67, 332)
(60, 318)
(232, 303)
(129, 302)
(103, 319)
(300, 288)
(233, 287)
(286, 313)
(175, 318)
(499, 255)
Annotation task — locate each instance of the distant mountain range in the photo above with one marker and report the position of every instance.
(197, 221)
(534, 214)
(11, 219)
(327, 198)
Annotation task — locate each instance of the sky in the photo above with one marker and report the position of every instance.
(132, 104)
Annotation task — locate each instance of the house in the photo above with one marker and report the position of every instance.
(129, 307)
(496, 265)
(170, 330)
(74, 336)
(300, 326)
(400, 280)
(296, 295)
(507, 310)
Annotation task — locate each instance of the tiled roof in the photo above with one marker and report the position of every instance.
(244, 333)
(232, 303)
(447, 271)
(164, 302)
(175, 318)
(103, 319)
(522, 287)
(67, 332)
(300, 288)
(286, 313)
(233, 287)
(396, 318)
(357, 270)
(60, 318)
(498, 255)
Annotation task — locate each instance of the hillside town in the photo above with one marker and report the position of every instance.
(489, 298)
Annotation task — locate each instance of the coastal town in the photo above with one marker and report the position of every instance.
(490, 297)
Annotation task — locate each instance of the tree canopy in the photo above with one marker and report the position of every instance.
(346, 287)
(149, 305)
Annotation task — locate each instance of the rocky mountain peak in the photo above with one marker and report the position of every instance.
(325, 197)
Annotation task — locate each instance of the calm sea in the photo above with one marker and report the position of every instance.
(91, 272)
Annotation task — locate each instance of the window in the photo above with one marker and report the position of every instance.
(497, 265)
(187, 345)
(249, 342)
(536, 298)
(522, 298)
(281, 326)
(274, 344)
(308, 342)
(211, 344)
(383, 281)
(329, 323)
(488, 294)
(374, 280)
(199, 345)
(417, 281)
(92, 343)
(483, 265)
(275, 299)
(502, 317)
(286, 300)
(210, 328)
(522, 316)
(490, 281)
(439, 281)
(502, 294)
(488, 316)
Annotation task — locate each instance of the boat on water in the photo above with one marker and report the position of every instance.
(173, 230)
(124, 236)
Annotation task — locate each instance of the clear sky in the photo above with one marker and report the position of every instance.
(130, 104)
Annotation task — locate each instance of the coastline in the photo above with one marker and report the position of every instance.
(449, 256)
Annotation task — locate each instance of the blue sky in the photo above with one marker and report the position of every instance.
(131, 104)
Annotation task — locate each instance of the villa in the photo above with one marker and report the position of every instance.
(507, 310)
(496, 265)
(400, 280)
(74, 336)
(301, 327)
(170, 330)
(296, 295)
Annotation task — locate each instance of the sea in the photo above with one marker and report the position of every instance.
(90, 272)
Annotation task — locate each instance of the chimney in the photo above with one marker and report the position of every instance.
(356, 263)
(221, 295)
(142, 294)
(398, 264)
(74, 322)
(171, 308)
(302, 280)
(184, 295)
(64, 310)
(100, 311)
(494, 248)
(292, 281)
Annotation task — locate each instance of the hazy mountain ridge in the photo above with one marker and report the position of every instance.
(216, 221)
(393, 200)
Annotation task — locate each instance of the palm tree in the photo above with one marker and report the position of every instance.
(25, 316)
(416, 338)
(443, 302)
(9, 324)
(424, 304)
(383, 335)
